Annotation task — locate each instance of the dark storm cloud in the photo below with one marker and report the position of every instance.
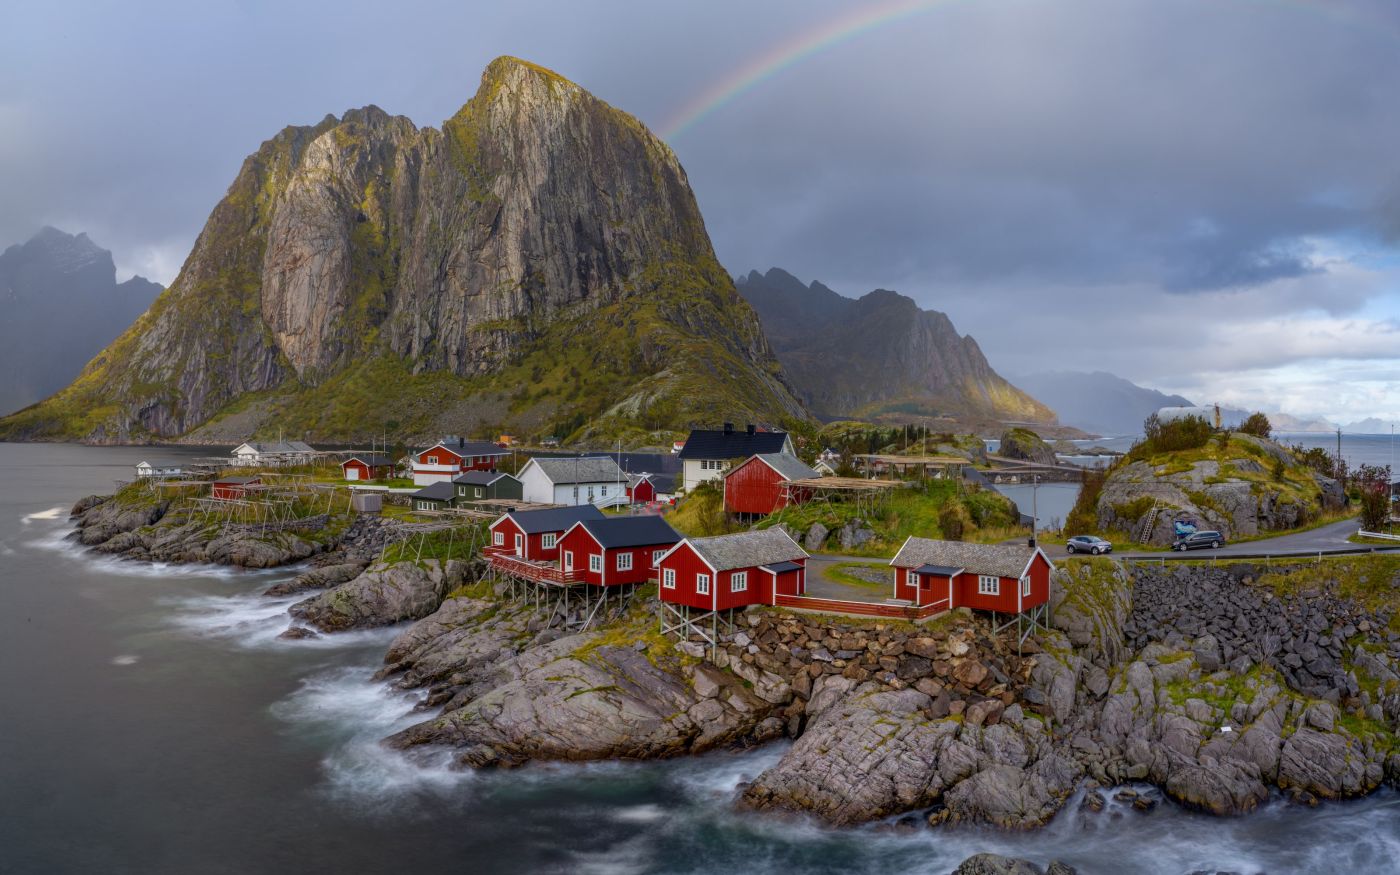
(992, 158)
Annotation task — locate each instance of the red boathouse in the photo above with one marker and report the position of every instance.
(374, 466)
(233, 488)
(534, 534)
(759, 485)
(616, 550)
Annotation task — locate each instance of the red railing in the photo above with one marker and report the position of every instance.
(545, 573)
(864, 609)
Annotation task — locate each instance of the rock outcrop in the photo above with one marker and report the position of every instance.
(538, 233)
(1026, 445)
(382, 595)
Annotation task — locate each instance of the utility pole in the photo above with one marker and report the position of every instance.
(1035, 509)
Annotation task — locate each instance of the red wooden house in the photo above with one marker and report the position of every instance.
(616, 550)
(1007, 579)
(233, 488)
(372, 466)
(451, 457)
(640, 489)
(535, 534)
(732, 571)
(758, 486)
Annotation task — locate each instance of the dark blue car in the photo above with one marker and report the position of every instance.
(1197, 540)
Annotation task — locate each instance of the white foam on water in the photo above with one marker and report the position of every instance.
(251, 619)
(641, 814)
(52, 513)
(355, 713)
(125, 659)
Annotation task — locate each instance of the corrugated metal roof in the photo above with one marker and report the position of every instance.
(1001, 560)
(748, 549)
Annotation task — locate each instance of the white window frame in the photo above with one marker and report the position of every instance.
(478, 492)
(739, 581)
(702, 584)
(1025, 585)
(568, 560)
(595, 563)
(624, 562)
(656, 556)
(605, 491)
(498, 538)
(988, 584)
(911, 578)
(549, 540)
(668, 578)
(431, 460)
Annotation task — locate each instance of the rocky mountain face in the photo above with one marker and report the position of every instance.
(1098, 401)
(538, 263)
(879, 356)
(62, 304)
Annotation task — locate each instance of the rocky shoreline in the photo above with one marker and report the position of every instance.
(1219, 686)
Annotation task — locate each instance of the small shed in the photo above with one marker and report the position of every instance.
(233, 488)
(640, 489)
(367, 502)
(434, 496)
(370, 466)
(159, 470)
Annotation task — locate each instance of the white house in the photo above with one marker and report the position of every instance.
(708, 453)
(574, 480)
(251, 453)
(159, 469)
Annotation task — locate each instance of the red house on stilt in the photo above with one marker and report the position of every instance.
(1000, 578)
(701, 578)
(615, 551)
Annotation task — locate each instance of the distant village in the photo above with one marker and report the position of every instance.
(580, 530)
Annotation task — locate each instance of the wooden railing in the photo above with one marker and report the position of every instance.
(540, 571)
(864, 609)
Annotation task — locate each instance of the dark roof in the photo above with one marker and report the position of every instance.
(553, 519)
(664, 483)
(781, 567)
(480, 478)
(468, 448)
(374, 460)
(644, 463)
(631, 531)
(738, 444)
(439, 491)
(939, 570)
(237, 481)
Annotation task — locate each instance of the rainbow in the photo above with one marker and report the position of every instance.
(871, 16)
(790, 53)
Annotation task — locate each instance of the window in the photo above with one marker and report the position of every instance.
(461, 490)
(432, 460)
(605, 492)
(656, 556)
(575, 493)
(624, 562)
(702, 584)
(739, 581)
(590, 493)
(911, 577)
(668, 578)
(1026, 585)
(548, 540)
(498, 538)
(478, 492)
(595, 562)
(988, 585)
(568, 560)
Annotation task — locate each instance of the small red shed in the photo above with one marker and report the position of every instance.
(232, 488)
(1007, 579)
(535, 534)
(732, 571)
(757, 486)
(640, 489)
(616, 550)
(372, 466)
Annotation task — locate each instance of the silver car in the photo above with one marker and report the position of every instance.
(1091, 544)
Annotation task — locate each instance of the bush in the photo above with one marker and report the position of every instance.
(1258, 425)
(951, 522)
(1085, 515)
(1186, 433)
(1375, 508)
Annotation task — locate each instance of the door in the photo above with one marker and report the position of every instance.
(352, 473)
(568, 560)
(520, 545)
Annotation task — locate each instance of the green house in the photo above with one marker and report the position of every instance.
(434, 496)
(486, 486)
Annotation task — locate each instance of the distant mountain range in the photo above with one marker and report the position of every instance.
(880, 356)
(62, 305)
(1098, 401)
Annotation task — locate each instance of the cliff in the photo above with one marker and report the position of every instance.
(880, 356)
(538, 264)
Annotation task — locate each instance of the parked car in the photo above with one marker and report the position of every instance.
(1091, 544)
(1196, 540)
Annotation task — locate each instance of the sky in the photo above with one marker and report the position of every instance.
(1202, 196)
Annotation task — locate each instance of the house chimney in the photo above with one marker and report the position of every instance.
(1030, 542)
(751, 429)
(461, 442)
(729, 428)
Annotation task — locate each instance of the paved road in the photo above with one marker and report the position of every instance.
(1331, 537)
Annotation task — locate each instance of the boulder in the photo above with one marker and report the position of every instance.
(815, 537)
(381, 596)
